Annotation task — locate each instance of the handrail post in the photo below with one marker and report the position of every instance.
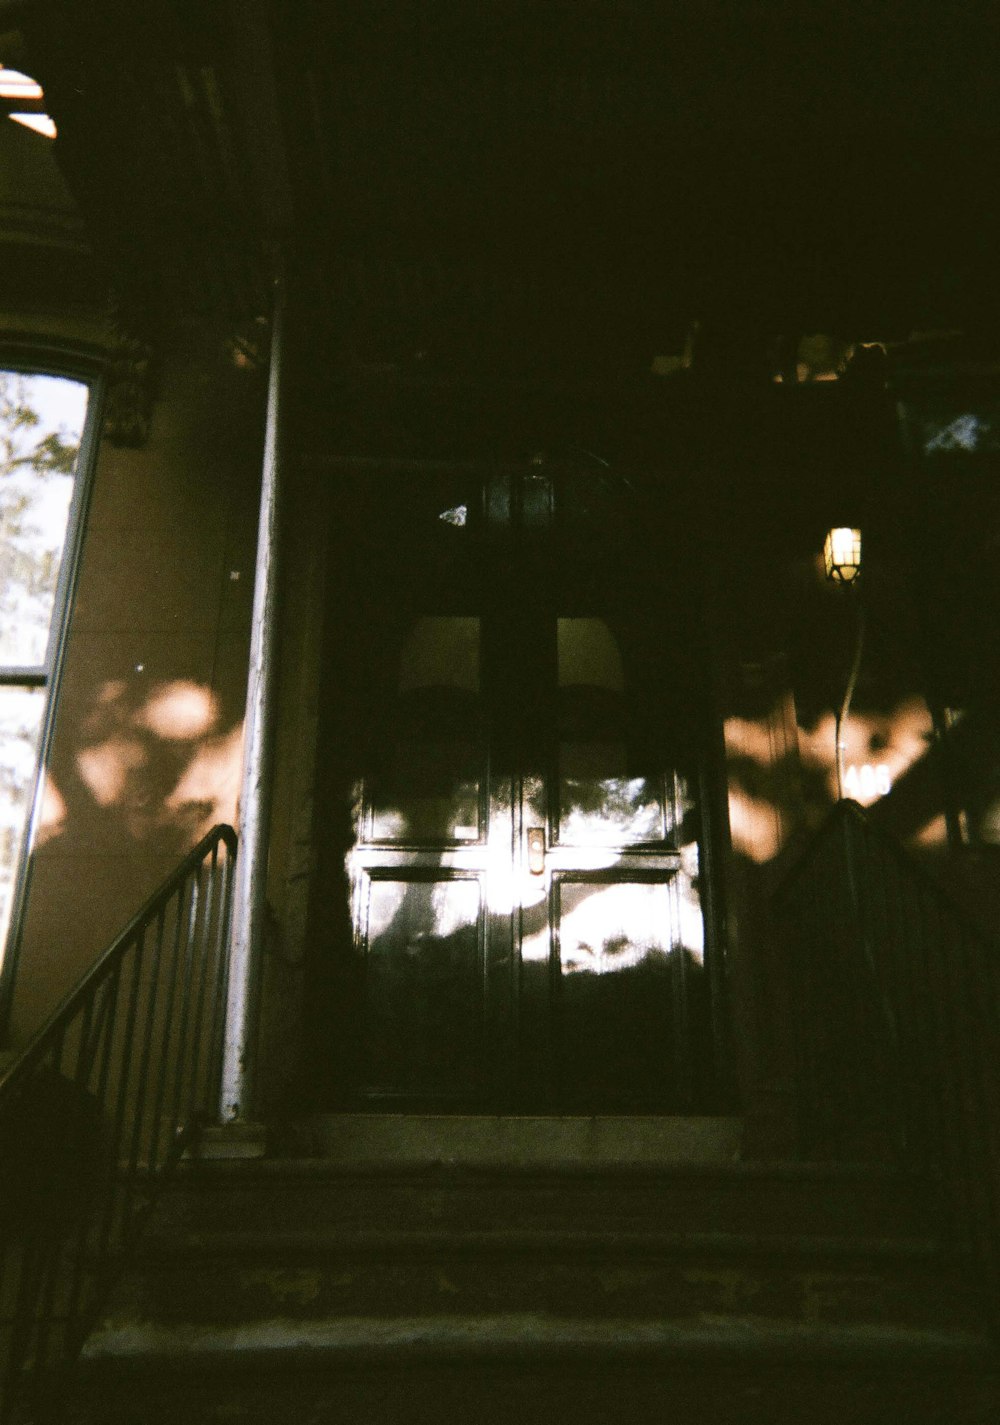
(249, 893)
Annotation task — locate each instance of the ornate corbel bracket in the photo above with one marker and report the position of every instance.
(132, 370)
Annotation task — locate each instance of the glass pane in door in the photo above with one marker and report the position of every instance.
(603, 798)
(427, 780)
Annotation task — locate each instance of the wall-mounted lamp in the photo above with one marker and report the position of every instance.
(842, 555)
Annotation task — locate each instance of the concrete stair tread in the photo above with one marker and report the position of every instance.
(523, 1139)
(278, 1167)
(379, 1274)
(155, 1345)
(157, 1248)
(293, 1198)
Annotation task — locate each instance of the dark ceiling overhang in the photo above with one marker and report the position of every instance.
(630, 166)
(164, 132)
(559, 188)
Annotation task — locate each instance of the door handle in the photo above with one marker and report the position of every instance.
(536, 850)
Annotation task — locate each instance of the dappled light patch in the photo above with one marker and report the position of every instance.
(746, 737)
(52, 818)
(180, 711)
(777, 785)
(155, 755)
(106, 768)
(932, 835)
(208, 790)
(754, 826)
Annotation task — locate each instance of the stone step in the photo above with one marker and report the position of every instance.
(377, 1139)
(572, 1276)
(347, 1288)
(285, 1198)
(534, 1371)
(524, 1337)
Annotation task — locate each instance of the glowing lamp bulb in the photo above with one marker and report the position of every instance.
(842, 555)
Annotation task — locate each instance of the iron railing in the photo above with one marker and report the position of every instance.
(95, 1112)
(897, 1021)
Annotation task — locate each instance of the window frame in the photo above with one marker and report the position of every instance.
(31, 356)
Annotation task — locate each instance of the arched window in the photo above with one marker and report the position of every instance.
(46, 424)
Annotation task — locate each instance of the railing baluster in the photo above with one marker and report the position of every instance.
(116, 1205)
(91, 1226)
(933, 1020)
(163, 1061)
(116, 1064)
(221, 970)
(202, 975)
(61, 1257)
(139, 1126)
(180, 1049)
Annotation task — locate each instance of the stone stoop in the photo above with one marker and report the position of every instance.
(460, 1287)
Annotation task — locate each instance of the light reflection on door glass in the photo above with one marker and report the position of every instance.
(598, 811)
(21, 712)
(427, 789)
(601, 800)
(41, 422)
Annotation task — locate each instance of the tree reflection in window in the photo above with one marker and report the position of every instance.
(41, 425)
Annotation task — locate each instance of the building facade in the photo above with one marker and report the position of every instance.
(558, 681)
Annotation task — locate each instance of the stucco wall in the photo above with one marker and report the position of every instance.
(146, 749)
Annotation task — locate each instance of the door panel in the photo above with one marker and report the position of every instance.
(619, 982)
(422, 941)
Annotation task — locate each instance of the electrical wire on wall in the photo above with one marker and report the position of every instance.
(845, 707)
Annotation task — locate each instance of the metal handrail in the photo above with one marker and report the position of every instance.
(96, 1111)
(898, 1023)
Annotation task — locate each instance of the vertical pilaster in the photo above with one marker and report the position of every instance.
(250, 890)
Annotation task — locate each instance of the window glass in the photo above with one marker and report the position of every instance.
(41, 423)
(41, 426)
(21, 711)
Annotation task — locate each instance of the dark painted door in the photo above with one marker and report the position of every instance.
(526, 928)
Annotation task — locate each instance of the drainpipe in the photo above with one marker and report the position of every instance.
(250, 886)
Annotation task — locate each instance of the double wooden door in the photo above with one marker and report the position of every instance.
(525, 928)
